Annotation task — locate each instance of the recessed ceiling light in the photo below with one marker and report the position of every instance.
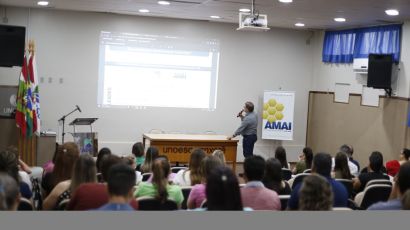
(245, 10)
(143, 11)
(165, 3)
(215, 17)
(286, 1)
(42, 3)
(340, 19)
(392, 12)
(299, 24)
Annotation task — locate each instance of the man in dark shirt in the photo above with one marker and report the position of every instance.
(247, 129)
(322, 165)
(374, 172)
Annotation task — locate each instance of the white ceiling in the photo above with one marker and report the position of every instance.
(315, 14)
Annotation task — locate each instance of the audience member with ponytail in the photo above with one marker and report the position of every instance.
(160, 188)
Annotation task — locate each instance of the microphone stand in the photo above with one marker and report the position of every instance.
(63, 120)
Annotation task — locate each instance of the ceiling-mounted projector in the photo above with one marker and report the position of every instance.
(253, 21)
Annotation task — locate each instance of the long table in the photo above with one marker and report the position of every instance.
(178, 147)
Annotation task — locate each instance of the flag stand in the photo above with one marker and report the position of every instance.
(27, 144)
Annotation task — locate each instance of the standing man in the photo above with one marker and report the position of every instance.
(247, 129)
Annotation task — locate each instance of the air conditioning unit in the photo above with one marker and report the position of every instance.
(360, 65)
(253, 22)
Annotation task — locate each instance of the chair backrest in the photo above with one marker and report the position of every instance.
(379, 181)
(146, 176)
(177, 169)
(348, 185)
(63, 204)
(25, 205)
(284, 201)
(286, 174)
(299, 178)
(375, 193)
(204, 204)
(307, 171)
(152, 204)
(185, 191)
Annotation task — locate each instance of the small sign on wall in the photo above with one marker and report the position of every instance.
(342, 92)
(370, 96)
(8, 95)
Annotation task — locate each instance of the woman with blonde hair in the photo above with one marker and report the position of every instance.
(220, 154)
(151, 154)
(315, 194)
(192, 175)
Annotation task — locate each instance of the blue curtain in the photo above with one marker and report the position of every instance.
(344, 45)
(338, 46)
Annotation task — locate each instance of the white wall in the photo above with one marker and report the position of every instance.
(250, 62)
(326, 75)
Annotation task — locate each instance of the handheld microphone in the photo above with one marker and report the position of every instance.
(78, 108)
(240, 113)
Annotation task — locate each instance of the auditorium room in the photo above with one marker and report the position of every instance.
(204, 105)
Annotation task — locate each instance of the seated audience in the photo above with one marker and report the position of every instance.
(341, 169)
(150, 156)
(220, 154)
(273, 177)
(121, 182)
(222, 191)
(93, 195)
(191, 176)
(24, 169)
(9, 193)
(393, 166)
(280, 154)
(130, 161)
(84, 171)
(101, 154)
(315, 194)
(67, 155)
(160, 188)
(305, 161)
(138, 152)
(322, 165)
(254, 194)
(400, 186)
(197, 194)
(349, 151)
(374, 172)
(9, 162)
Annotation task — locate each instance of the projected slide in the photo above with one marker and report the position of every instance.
(157, 71)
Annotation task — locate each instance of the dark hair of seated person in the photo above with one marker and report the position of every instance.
(101, 154)
(222, 190)
(121, 180)
(254, 168)
(273, 175)
(280, 154)
(322, 164)
(106, 164)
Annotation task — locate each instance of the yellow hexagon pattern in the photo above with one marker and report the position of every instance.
(273, 111)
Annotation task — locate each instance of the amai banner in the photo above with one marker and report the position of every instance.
(277, 115)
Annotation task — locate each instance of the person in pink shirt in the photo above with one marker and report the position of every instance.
(197, 194)
(254, 194)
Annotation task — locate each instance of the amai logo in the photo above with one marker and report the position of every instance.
(273, 113)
